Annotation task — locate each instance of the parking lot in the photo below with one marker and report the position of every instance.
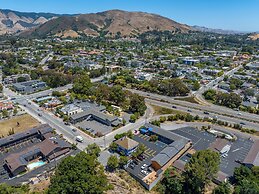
(139, 167)
(94, 127)
(202, 140)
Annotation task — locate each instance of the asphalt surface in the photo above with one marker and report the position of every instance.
(200, 113)
(219, 110)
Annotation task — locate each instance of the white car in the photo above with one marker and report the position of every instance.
(79, 139)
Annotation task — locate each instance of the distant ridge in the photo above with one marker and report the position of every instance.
(108, 23)
(218, 31)
(14, 21)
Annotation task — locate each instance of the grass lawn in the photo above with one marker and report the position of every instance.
(188, 99)
(165, 111)
(26, 122)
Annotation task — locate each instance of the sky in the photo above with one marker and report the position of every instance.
(240, 15)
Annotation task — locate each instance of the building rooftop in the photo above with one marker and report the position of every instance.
(169, 152)
(168, 134)
(43, 129)
(253, 155)
(95, 113)
(127, 143)
(47, 147)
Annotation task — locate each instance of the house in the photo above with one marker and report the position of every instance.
(212, 72)
(126, 145)
(6, 105)
(224, 86)
(144, 76)
(252, 66)
(29, 86)
(190, 61)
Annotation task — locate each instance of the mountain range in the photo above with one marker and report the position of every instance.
(13, 21)
(108, 23)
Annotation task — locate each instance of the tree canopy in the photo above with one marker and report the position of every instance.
(201, 169)
(81, 174)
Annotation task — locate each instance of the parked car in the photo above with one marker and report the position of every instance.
(206, 113)
(174, 107)
(141, 157)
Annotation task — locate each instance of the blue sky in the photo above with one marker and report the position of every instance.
(240, 15)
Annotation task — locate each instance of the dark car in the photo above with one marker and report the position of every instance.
(206, 113)
(141, 157)
(174, 107)
(189, 110)
(39, 114)
(242, 123)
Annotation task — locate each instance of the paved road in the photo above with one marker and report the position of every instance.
(214, 83)
(46, 117)
(200, 113)
(45, 59)
(219, 110)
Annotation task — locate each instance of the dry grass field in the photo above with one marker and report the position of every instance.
(25, 122)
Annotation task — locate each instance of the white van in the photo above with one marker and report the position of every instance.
(79, 139)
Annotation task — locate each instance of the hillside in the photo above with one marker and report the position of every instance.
(14, 21)
(109, 23)
(254, 36)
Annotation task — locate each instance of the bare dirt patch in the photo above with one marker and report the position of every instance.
(124, 183)
(158, 110)
(25, 122)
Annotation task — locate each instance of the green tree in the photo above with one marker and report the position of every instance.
(112, 163)
(137, 104)
(93, 149)
(201, 170)
(1, 88)
(79, 175)
(82, 85)
(113, 147)
(196, 85)
(246, 186)
(172, 182)
(133, 118)
(5, 113)
(15, 111)
(123, 160)
(7, 189)
(223, 188)
(153, 138)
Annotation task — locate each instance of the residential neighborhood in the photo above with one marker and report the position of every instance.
(127, 101)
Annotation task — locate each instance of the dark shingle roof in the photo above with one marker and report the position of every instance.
(43, 129)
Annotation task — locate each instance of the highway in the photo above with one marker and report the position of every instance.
(219, 110)
(201, 114)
